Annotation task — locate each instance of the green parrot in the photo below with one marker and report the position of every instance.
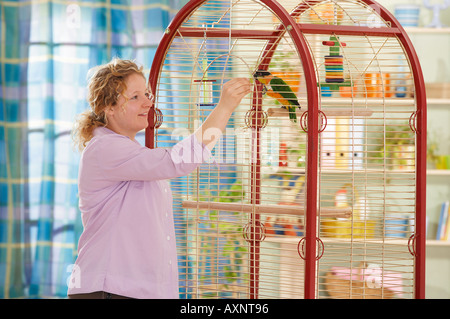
(278, 89)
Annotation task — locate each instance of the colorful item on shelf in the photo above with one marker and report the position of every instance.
(283, 157)
(387, 85)
(400, 90)
(436, 23)
(396, 227)
(283, 226)
(349, 282)
(340, 198)
(326, 91)
(443, 162)
(359, 226)
(378, 85)
(373, 84)
(407, 15)
(348, 91)
(328, 13)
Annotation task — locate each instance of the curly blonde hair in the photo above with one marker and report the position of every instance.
(106, 84)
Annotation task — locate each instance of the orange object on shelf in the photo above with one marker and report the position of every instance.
(347, 91)
(373, 84)
(387, 85)
(283, 158)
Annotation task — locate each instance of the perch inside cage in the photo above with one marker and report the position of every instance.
(249, 227)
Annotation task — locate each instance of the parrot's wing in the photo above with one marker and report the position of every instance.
(279, 86)
(272, 94)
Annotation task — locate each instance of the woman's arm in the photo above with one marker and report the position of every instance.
(121, 159)
(232, 93)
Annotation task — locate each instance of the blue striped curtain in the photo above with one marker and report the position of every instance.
(47, 48)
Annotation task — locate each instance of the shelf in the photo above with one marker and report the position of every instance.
(438, 172)
(438, 102)
(424, 30)
(434, 242)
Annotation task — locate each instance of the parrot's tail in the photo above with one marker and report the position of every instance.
(293, 114)
(292, 111)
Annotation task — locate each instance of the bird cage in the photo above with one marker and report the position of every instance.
(321, 198)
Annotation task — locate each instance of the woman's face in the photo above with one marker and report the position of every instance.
(130, 114)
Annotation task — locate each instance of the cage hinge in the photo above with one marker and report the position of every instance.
(412, 245)
(412, 122)
(301, 248)
(158, 118)
(254, 232)
(256, 119)
(304, 121)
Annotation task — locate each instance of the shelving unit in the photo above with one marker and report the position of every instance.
(429, 43)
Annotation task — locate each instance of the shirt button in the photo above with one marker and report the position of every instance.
(165, 190)
(168, 237)
(170, 262)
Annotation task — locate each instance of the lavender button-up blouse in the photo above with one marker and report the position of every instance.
(128, 243)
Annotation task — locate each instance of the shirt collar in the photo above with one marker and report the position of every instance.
(101, 130)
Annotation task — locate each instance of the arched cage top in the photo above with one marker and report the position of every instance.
(338, 173)
(224, 39)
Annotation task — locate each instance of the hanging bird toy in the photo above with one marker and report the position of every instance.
(334, 65)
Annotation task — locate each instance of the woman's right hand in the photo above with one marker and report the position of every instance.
(233, 92)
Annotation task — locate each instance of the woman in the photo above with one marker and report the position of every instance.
(127, 248)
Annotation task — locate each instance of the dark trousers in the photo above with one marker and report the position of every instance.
(97, 295)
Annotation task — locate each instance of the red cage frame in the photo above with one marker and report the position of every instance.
(417, 241)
